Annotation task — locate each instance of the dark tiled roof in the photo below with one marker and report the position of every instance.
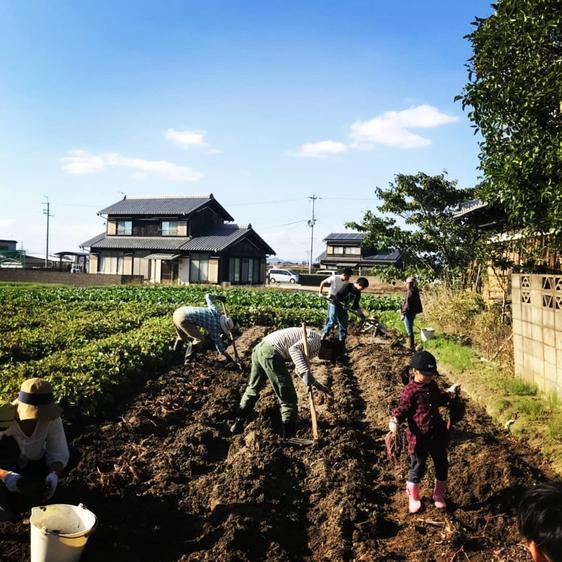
(384, 257)
(217, 240)
(345, 237)
(134, 206)
(469, 206)
(136, 242)
(389, 256)
(93, 240)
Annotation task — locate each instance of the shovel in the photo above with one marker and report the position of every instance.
(310, 397)
(236, 356)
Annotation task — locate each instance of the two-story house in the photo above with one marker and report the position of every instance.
(177, 240)
(347, 249)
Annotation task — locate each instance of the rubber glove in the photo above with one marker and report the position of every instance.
(393, 425)
(454, 389)
(11, 481)
(51, 482)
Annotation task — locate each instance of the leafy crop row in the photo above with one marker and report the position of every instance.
(91, 341)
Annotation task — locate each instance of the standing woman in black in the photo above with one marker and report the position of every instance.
(410, 307)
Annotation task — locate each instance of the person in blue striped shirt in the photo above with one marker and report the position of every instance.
(189, 319)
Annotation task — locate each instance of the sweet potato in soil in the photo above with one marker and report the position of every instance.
(168, 482)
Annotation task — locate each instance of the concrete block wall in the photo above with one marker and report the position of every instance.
(537, 330)
(66, 278)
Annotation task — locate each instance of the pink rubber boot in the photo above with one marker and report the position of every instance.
(413, 491)
(439, 494)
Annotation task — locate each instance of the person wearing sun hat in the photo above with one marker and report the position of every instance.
(39, 434)
(427, 433)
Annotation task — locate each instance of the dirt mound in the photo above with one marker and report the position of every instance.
(168, 482)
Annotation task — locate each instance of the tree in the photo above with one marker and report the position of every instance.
(430, 240)
(514, 91)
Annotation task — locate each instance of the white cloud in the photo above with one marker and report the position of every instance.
(187, 139)
(321, 149)
(392, 127)
(84, 162)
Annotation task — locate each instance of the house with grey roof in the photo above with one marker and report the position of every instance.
(348, 249)
(177, 240)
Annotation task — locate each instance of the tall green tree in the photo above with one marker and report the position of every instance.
(416, 216)
(514, 93)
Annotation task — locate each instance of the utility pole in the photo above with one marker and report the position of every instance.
(311, 223)
(47, 212)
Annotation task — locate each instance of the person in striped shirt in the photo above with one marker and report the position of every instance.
(189, 319)
(268, 363)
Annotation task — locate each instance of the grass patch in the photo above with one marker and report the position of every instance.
(519, 387)
(532, 409)
(554, 427)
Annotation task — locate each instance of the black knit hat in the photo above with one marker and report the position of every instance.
(424, 362)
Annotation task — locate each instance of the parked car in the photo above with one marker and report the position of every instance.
(282, 276)
(327, 272)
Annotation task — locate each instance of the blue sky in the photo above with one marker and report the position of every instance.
(262, 103)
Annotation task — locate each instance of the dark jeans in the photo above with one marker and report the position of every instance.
(418, 464)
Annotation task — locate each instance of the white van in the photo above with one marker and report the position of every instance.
(282, 276)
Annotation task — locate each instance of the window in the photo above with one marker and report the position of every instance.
(353, 250)
(169, 228)
(112, 263)
(199, 270)
(234, 270)
(124, 228)
(330, 250)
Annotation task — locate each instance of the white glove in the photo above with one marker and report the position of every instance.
(51, 481)
(393, 426)
(11, 481)
(454, 389)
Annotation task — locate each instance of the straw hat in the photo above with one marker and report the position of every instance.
(35, 401)
(7, 415)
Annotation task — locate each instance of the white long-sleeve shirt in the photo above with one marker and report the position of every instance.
(289, 344)
(48, 440)
(335, 283)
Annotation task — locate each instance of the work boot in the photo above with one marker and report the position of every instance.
(413, 491)
(288, 429)
(439, 494)
(412, 343)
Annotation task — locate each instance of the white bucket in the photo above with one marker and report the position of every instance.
(427, 333)
(59, 532)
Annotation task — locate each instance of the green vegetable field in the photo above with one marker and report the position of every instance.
(89, 341)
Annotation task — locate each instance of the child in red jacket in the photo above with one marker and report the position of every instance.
(427, 433)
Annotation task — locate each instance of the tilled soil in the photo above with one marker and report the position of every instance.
(169, 483)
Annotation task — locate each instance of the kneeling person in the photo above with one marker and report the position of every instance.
(40, 452)
(268, 363)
